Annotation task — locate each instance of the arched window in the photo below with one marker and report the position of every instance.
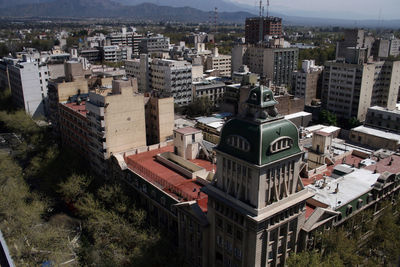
(281, 144)
(238, 142)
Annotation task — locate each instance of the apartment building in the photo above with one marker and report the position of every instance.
(172, 78)
(140, 69)
(212, 89)
(28, 83)
(154, 44)
(274, 63)
(383, 119)
(305, 82)
(159, 119)
(271, 26)
(115, 53)
(219, 62)
(117, 121)
(350, 89)
(126, 37)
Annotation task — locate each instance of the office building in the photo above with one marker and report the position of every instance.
(271, 26)
(350, 89)
(274, 63)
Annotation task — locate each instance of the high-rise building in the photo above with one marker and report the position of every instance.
(271, 26)
(274, 63)
(350, 89)
(117, 121)
(256, 204)
(305, 82)
(170, 78)
(28, 83)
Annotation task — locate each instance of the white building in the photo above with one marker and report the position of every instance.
(219, 62)
(28, 84)
(115, 53)
(172, 79)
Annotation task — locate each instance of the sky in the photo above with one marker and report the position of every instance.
(344, 9)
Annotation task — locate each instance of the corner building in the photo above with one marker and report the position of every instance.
(256, 204)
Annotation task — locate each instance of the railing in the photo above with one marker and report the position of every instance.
(152, 177)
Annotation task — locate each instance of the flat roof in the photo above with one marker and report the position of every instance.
(390, 164)
(81, 108)
(187, 130)
(397, 111)
(167, 179)
(351, 186)
(377, 133)
(297, 114)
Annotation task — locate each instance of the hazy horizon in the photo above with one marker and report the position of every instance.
(341, 9)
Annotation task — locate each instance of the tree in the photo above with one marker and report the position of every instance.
(200, 106)
(326, 117)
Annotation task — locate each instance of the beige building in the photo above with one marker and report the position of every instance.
(219, 62)
(117, 120)
(274, 63)
(159, 119)
(256, 204)
(320, 151)
(383, 118)
(350, 89)
(375, 138)
(305, 81)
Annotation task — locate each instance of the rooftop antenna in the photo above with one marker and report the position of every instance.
(215, 18)
(261, 24)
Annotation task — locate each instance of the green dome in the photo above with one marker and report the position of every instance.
(257, 143)
(262, 97)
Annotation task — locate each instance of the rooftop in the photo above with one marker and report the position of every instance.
(297, 114)
(356, 183)
(168, 180)
(377, 133)
(187, 130)
(80, 108)
(377, 108)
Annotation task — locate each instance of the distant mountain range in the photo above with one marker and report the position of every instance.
(151, 12)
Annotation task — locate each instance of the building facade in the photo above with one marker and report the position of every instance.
(219, 62)
(28, 83)
(271, 26)
(305, 82)
(350, 89)
(172, 79)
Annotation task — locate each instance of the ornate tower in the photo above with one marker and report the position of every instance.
(256, 201)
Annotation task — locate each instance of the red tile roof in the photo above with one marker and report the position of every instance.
(81, 108)
(309, 210)
(175, 184)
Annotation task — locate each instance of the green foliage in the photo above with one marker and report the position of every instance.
(31, 240)
(320, 55)
(327, 117)
(4, 50)
(201, 106)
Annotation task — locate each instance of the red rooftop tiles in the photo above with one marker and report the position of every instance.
(390, 164)
(175, 184)
(81, 108)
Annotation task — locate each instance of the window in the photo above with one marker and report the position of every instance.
(281, 144)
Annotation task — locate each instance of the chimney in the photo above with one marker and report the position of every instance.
(337, 189)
